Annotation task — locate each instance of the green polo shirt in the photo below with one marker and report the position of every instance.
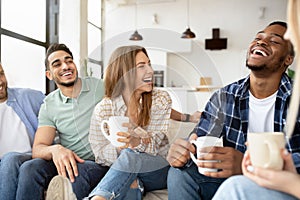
(71, 116)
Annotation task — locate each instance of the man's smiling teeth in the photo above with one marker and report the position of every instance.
(66, 74)
(147, 80)
(1, 87)
(259, 52)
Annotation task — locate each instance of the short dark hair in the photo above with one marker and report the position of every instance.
(280, 23)
(56, 47)
(285, 25)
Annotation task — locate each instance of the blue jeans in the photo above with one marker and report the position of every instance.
(150, 171)
(188, 183)
(9, 173)
(240, 187)
(36, 174)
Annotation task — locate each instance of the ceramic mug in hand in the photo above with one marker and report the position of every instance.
(112, 126)
(265, 149)
(201, 142)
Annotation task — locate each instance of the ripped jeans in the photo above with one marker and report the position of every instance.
(150, 172)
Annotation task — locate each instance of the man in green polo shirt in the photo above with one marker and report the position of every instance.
(66, 112)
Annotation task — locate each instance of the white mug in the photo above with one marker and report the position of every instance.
(114, 124)
(201, 142)
(265, 149)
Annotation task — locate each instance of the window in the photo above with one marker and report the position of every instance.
(25, 33)
(23, 41)
(25, 58)
(94, 61)
(28, 27)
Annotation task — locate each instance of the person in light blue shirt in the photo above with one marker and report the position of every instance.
(19, 109)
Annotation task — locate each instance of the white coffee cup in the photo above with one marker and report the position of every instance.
(265, 149)
(115, 125)
(201, 142)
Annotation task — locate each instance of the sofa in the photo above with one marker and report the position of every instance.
(176, 130)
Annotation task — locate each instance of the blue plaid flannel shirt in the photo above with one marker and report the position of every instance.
(226, 115)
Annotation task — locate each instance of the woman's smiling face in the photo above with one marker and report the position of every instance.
(144, 73)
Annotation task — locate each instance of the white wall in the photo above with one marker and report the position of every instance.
(238, 20)
(73, 29)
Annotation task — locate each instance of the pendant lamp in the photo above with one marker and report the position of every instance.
(136, 36)
(188, 34)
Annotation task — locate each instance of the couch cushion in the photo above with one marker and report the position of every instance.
(179, 130)
(176, 130)
(157, 195)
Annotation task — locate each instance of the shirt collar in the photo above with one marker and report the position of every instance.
(283, 90)
(285, 87)
(120, 103)
(84, 88)
(11, 95)
(244, 87)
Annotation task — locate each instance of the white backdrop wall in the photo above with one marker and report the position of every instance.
(238, 20)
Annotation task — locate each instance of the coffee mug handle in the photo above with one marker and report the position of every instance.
(274, 152)
(103, 129)
(192, 155)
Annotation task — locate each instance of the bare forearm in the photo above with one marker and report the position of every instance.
(293, 188)
(42, 146)
(44, 151)
(175, 115)
(178, 116)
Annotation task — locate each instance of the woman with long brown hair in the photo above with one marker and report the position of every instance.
(138, 166)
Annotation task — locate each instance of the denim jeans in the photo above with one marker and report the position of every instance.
(150, 171)
(9, 173)
(36, 174)
(188, 183)
(240, 187)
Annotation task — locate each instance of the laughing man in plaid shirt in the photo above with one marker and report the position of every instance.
(257, 103)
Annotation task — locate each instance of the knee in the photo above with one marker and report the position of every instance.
(30, 167)
(14, 159)
(234, 188)
(238, 181)
(127, 152)
(128, 155)
(175, 177)
(134, 184)
(10, 156)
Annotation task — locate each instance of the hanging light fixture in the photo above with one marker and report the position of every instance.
(188, 34)
(136, 36)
